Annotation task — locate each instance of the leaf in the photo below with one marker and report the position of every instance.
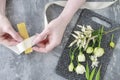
(70, 52)
(92, 74)
(98, 74)
(87, 74)
(96, 32)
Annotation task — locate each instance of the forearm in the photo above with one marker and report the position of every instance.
(70, 9)
(2, 7)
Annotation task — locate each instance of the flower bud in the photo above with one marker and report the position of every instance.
(71, 67)
(81, 57)
(112, 44)
(89, 50)
(98, 51)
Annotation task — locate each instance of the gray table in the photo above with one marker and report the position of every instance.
(38, 66)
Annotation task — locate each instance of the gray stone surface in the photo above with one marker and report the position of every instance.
(38, 66)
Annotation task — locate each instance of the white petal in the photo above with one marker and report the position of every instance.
(77, 32)
(74, 36)
(71, 44)
(78, 42)
(79, 26)
(89, 27)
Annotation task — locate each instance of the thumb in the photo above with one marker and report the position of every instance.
(41, 36)
(15, 35)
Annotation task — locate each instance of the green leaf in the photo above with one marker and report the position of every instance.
(96, 32)
(92, 74)
(98, 74)
(87, 74)
(70, 53)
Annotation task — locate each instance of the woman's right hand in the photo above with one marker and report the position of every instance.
(8, 36)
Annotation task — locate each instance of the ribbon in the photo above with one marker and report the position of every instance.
(20, 48)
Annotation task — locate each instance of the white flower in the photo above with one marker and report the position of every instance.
(80, 39)
(80, 69)
(95, 64)
(98, 51)
(86, 30)
(93, 58)
(94, 61)
(81, 57)
(81, 36)
(71, 67)
(89, 28)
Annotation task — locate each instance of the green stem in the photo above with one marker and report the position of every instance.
(112, 30)
(100, 35)
(70, 53)
(112, 37)
(93, 42)
(73, 53)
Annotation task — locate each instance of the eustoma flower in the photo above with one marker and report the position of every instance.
(94, 61)
(80, 69)
(71, 67)
(81, 57)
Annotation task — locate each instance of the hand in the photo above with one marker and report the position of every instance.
(51, 36)
(8, 36)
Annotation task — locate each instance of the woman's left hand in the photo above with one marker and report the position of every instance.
(51, 36)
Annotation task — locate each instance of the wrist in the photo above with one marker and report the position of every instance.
(65, 18)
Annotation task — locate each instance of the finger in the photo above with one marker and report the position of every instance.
(15, 35)
(41, 45)
(41, 36)
(9, 42)
(48, 47)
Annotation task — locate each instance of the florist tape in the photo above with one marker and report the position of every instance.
(21, 47)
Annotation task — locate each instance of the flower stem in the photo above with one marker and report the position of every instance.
(112, 30)
(112, 37)
(100, 35)
(89, 39)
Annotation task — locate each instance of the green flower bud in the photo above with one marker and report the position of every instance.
(112, 44)
(98, 51)
(89, 50)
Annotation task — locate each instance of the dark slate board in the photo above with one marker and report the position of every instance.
(85, 18)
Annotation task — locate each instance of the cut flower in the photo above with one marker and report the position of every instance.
(81, 57)
(80, 69)
(98, 51)
(94, 61)
(71, 67)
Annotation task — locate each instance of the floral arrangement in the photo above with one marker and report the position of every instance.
(87, 41)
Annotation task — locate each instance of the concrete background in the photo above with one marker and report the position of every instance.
(38, 66)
